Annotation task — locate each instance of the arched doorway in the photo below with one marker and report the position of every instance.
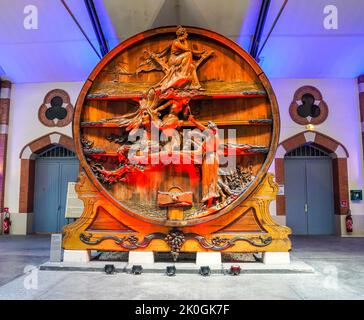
(309, 191)
(54, 169)
(43, 149)
(328, 147)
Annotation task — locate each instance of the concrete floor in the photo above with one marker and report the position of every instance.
(338, 263)
(16, 252)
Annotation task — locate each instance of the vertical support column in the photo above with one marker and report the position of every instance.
(280, 179)
(5, 87)
(26, 193)
(361, 104)
(341, 185)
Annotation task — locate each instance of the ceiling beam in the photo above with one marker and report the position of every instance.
(79, 27)
(254, 45)
(272, 27)
(95, 21)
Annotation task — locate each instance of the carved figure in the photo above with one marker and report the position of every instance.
(180, 68)
(163, 107)
(210, 162)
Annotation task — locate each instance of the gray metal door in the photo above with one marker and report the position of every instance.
(68, 173)
(46, 196)
(295, 190)
(320, 200)
(52, 174)
(309, 193)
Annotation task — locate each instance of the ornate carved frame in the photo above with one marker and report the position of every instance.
(144, 237)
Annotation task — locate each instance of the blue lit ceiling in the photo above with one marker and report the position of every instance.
(299, 47)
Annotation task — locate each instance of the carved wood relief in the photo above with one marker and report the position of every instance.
(175, 129)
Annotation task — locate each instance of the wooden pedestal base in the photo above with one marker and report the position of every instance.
(247, 228)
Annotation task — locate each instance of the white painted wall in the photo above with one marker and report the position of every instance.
(342, 124)
(24, 127)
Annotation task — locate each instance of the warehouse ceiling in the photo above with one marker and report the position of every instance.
(299, 46)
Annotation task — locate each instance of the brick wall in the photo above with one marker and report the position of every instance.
(5, 87)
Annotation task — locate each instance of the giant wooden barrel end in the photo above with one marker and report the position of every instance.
(182, 79)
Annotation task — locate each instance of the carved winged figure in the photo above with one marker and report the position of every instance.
(179, 68)
(178, 63)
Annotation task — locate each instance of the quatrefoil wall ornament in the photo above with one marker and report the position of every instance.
(56, 109)
(308, 106)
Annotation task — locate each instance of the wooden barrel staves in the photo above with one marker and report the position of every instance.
(175, 129)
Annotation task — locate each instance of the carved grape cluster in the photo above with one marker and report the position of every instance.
(175, 240)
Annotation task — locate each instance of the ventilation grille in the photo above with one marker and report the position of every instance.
(57, 152)
(307, 150)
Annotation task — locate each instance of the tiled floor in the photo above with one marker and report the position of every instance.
(339, 265)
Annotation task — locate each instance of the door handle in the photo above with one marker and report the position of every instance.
(306, 207)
